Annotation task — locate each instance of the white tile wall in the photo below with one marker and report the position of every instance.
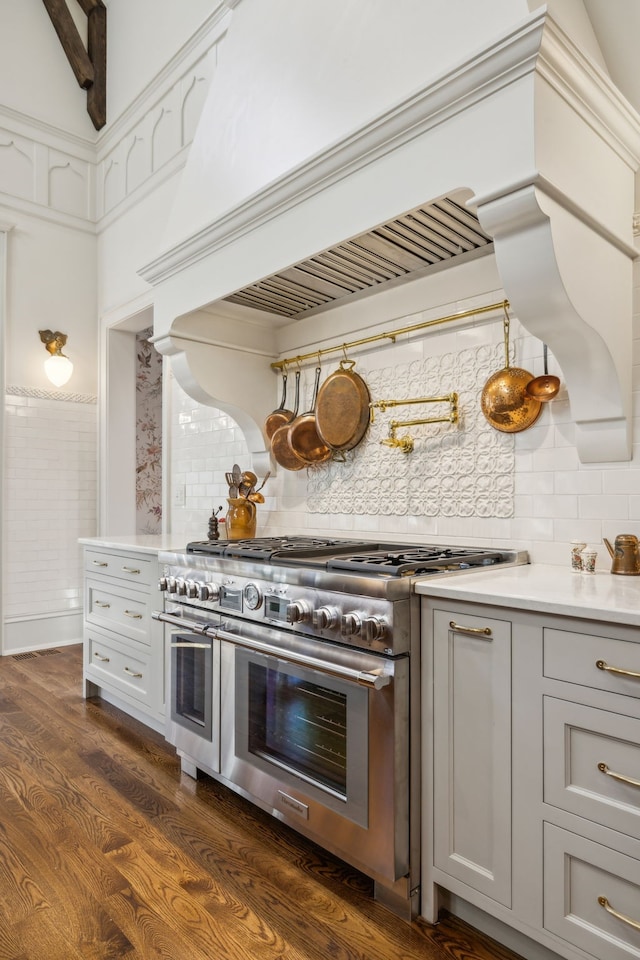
(50, 500)
(557, 499)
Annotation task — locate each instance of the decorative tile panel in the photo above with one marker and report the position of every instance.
(455, 470)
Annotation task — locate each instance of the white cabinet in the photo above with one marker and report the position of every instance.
(123, 645)
(531, 779)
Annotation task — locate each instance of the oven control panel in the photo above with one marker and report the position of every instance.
(368, 622)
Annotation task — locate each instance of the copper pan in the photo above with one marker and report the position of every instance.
(281, 449)
(304, 438)
(342, 408)
(546, 387)
(504, 400)
(281, 415)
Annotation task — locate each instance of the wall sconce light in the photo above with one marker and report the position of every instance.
(57, 367)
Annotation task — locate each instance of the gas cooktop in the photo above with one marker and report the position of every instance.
(353, 556)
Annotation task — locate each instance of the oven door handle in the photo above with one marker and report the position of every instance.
(192, 626)
(367, 678)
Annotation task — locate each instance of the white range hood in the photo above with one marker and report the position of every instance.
(331, 122)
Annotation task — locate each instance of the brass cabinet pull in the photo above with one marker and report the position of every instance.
(134, 616)
(101, 603)
(619, 916)
(132, 674)
(101, 658)
(130, 570)
(620, 671)
(482, 631)
(603, 768)
(99, 563)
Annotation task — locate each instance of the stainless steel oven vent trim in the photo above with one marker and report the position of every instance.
(408, 245)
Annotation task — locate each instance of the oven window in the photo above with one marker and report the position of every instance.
(300, 725)
(191, 676)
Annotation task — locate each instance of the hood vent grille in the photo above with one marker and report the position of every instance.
(410, 244)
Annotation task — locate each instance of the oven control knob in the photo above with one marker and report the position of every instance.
(350, 625)
(190, 589)
(180, 587)
(325, 618)
(373, 629)
(171, 585)
(208, 591)
(163, 583)
(298, 611)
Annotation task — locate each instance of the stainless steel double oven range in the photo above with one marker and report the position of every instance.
(293, 678)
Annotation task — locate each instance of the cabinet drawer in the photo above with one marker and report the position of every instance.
(577, 873)
(111, 664)
(125, 611)
(574, 657)
(577, 739)
(133, 569)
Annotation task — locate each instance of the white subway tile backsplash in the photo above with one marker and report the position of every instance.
(50, 500)
(604, 507)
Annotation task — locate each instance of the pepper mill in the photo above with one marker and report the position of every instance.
(214, 531)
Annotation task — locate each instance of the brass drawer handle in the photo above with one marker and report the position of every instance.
(603, 665)
(482, 631)
(134, 616)
(99, 563)
(603, 768)
(101, 658)
(132, 674)
(619, 916)
(130, 570)
(101, 603)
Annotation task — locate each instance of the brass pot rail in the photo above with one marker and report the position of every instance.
(406, 443)
(391, 335)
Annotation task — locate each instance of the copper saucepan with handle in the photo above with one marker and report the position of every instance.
(281, 415)
(304, 439)
(281, 448)
(504, 400)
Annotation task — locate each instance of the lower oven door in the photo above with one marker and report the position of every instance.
(192, 721)
(328, 755)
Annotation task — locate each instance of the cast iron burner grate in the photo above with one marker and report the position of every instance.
(396, 562)
(272, 549)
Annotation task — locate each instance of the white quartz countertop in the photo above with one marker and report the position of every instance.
(545, 588)
(144, 543)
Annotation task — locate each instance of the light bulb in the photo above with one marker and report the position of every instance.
(58, 368)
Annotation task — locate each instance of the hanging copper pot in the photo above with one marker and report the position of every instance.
(281, 448)
(342, 409)
(546, 387)
(504, 400)
(281, 415)
(304, 438)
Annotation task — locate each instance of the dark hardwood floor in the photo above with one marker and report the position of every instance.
(106, 851)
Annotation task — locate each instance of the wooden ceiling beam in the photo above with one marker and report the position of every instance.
(71, 41)
(97, 44)
(89, 66)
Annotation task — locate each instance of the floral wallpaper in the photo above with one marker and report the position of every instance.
(148, 436)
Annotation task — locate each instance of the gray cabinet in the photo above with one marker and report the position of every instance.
(531, 776)
(123, 645)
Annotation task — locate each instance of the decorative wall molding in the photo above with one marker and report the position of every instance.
(636, 224)
(39, 394)
(463, 470)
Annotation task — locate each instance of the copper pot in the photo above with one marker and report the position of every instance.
(281, 448)
(342, 408)
(546, 387)
(304, 438)
(504, 400)
(281, 415)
